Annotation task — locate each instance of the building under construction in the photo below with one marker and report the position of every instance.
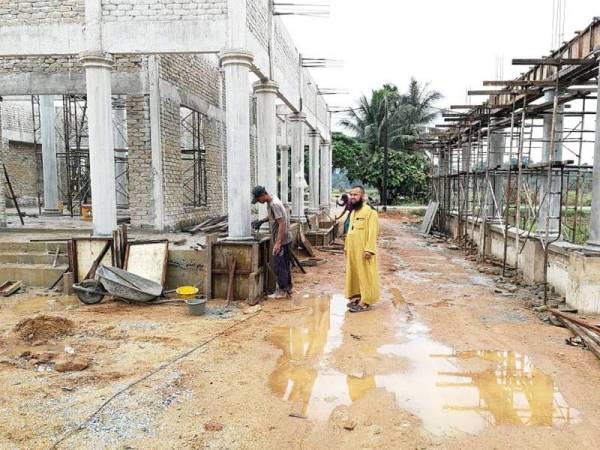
(513, 175)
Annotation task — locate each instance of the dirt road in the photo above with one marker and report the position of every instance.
(441, 362)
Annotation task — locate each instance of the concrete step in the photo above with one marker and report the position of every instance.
(32, 247)
(39, 275)
(32, 258)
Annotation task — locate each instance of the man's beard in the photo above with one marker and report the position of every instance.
(358, 204)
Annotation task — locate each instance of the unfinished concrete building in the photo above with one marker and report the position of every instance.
(148, 110)
(519, 175)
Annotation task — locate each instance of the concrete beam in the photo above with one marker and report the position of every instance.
(46, 39)
(189, 100)
(62, 83)
(146, 37)
(151, 37)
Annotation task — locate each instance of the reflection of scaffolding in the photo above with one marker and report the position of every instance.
(513, 392)
(485, 173)
(193, 156)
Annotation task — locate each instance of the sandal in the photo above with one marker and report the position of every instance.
(351, 303)
(358, 308)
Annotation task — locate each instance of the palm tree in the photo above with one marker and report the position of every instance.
(408, 115)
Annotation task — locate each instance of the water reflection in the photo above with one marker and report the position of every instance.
(505, 388)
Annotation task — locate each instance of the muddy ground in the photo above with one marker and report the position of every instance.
(442, 362)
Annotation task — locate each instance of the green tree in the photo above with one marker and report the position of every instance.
(408, 115)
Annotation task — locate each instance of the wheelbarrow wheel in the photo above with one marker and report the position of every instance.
(89, 292)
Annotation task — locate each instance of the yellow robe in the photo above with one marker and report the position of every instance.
(362, 277)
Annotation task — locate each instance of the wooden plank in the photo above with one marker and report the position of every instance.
(552, 62)
(429, 217)
(578, 331)
(12, 194)
(231, 280)
(92, 272)
(148, 260)
(10, 287)
(306, 245)
(85, 251)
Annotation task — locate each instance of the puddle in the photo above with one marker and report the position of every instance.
(451, 392)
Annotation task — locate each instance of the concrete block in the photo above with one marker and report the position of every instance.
(583, 291)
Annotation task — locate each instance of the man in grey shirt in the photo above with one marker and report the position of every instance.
(279, 221)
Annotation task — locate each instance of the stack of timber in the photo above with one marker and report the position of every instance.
(217, 224)
(589, 333)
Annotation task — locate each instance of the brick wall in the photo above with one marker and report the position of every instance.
(20, 161)
(52, 64)
(17, 116)
(115, 10)
(198, 75)
(16, 12)
(140, 161)
(257, 20)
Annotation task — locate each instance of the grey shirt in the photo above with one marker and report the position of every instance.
(276, 210)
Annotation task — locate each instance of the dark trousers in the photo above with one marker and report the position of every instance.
(282, 266)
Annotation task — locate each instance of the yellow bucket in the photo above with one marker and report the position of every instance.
(187, 291)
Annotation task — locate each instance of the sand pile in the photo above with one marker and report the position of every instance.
(41, 328)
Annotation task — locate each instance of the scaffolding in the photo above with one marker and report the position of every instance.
(516, 162)
(73, 153)
(193, 156)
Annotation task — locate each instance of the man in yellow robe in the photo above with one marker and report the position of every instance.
(362, 278)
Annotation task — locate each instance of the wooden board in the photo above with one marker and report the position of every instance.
(10, 287)
(432, 210)
(148, 260)
(86, 251)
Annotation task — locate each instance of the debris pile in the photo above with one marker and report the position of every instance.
(217, 224)
(42, 328)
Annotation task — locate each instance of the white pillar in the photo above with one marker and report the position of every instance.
(102, 156)
(496, 155)
(237, 64)
(120, 134)
(284, 190)
(266, 130)
(325, 172)
(313, 170)
(297, 124)
(551, 153)
(49, 164)
(593, 242)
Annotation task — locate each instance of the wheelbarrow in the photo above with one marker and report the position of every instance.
(119, 284)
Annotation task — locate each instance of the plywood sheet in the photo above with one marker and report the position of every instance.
(432, 210)
(87, 250)
(148, 260)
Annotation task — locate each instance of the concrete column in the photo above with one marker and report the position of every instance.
(297, 150)
(284, 190)
(2, 189)
(120, 134)
(266, 130)
(102, 156)
(313, 171)
(551, 153)
(325, 184)
(49, 164)
(496, 154)
(593, 242)
(237, 64)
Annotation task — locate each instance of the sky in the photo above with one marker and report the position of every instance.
(454, 45)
